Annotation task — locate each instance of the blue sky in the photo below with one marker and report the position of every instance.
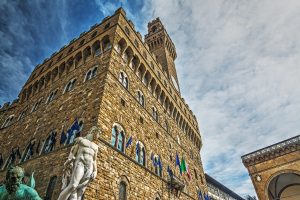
(237, 64)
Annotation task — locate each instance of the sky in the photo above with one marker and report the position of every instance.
(237, 63)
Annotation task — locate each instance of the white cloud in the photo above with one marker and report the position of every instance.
(240, 60)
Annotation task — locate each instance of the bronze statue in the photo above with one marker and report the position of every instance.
(13, 189)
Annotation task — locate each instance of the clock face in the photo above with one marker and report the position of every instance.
(175, 83)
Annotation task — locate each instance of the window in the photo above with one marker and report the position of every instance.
(157, 135)
(107, 26)
(136, 43)
(196, 176)
(81, 42)
(154, 114)
(36, 105)
(124, 80)
(70, 86)
(23, 113)
(73, 132)
(140, 98)
(118, 48)
(122, 191)
(141, 120)
(1, 160)
(52, 96)
(140, 153)
(28, 152)
(178, 139)
(94, 34)
(91, 73)
(157, 165)
(106, 43)
(15, 152)
(145, 55)
(191, 154)
(70, 50)
(125, 56)
(96, 48)
(59, 57)
(50, 188)
(8, 121)
(127, 31)
(118, 137)
(122, 102)
(49, 143)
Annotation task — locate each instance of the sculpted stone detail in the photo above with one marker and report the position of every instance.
(81, 166)
(13, 189)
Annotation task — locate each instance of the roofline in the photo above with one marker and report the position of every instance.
(222, 187)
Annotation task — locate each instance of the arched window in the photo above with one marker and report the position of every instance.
(50, 188)
(91, 73)
(196, 175)
(52, 96)
(106, 43)
(123, 191)
(1, 160)
(140, 98)
(23, 113)
(118, 48)
(70, 86)
(8, 121)
(74, 131)
(49, 143)
(157, 165)
(125, 56)
(140, 153)
(154, 114)
(124, 80)
(36, 105)
(118, 137)
(29, 151)
(96, 48)
(13, 156)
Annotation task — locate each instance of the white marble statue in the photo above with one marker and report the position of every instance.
(81, 166)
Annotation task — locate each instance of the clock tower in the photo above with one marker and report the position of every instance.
(163, 48)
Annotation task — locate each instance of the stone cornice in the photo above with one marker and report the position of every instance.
(272, 151)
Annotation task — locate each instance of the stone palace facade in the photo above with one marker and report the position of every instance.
(112, 79)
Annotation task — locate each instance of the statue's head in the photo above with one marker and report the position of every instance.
(14, 178)
(93, 134)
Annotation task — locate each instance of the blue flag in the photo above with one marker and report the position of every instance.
(206, 197)
(63, 137)
(169, 171)
(159, 163)
(129, 141)
(200, 195)
(177, 162)
(75, 128)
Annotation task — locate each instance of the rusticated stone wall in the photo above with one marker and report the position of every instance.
(103, 101)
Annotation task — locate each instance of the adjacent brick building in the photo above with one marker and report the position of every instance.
(275, 170)
(109, 78)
